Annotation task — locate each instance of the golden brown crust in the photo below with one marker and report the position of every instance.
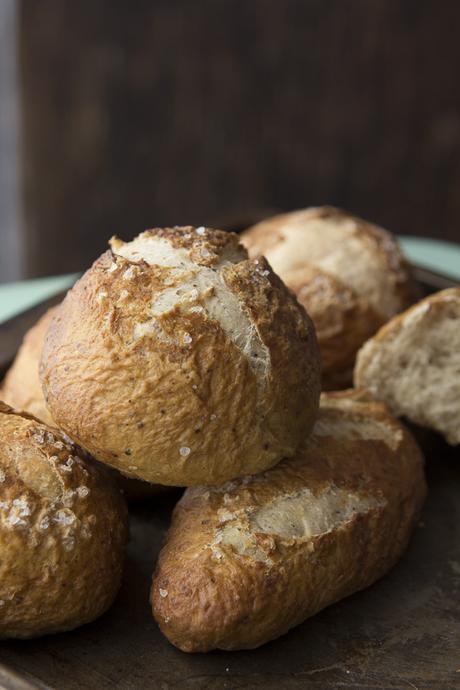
(342, 320)
(433, 304)
(245, 562)
(205, 247)
(182, 373)
(22, 390)
(63, 528)
(345, 315)
(21, 387)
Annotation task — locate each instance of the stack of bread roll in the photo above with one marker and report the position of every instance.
(179, 360)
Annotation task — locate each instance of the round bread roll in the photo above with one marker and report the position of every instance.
(349, 275)
(21, 387)
(177, 360)
(63, 528)
(246, 561)
(413, 364)
(22, 390)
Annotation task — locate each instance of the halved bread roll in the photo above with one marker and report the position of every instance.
(177, 360)
(63, 528)
(349, 275)
(413, 364)
(246, 561)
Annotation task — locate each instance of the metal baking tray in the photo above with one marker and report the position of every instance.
(401, 633)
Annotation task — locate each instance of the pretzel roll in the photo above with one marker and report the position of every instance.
(177, 360)
(63, 527)
(246, 561)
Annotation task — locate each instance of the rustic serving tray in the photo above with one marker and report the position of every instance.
(403, 632)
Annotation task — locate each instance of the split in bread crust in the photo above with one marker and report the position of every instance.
(246, 561)
(413, 364)
(177, 360)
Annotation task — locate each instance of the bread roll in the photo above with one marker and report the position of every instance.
(22, 390)
(63, 528)
(349, 275)
(21, 387)
(413, 364)
(177, 360)
(246, 561)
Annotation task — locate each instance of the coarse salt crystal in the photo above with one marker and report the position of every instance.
(67, 439)
(205, 253)
(101, 295)
(66, 466)
(82, 491)
(44, 523)
(68, 543)
(163, 593)
(86, 532)
(64, 517)
(15, 520)
(23, 507)
(201, 230)
(213, 417)
(184, 451)
(187, 338)
(112, 267)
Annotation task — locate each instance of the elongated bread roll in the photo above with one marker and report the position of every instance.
(413, 364)
(177, 360)
(63, 528)
(246, 561)
(349, 275)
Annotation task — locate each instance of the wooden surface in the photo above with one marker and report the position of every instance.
(401, 633)
(169, 112)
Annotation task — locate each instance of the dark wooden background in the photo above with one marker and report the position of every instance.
(182, 111)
